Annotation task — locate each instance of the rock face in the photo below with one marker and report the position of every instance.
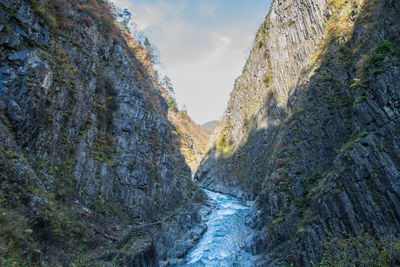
(86, 144)
(192, 138)
(283, 44)
(312, 129)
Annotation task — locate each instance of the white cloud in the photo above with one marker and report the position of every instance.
(208, 8)
(202, 58)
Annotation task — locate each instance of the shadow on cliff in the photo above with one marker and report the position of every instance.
(289, 162)
(332, 79)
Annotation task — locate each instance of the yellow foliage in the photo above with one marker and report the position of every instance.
(356, 82)
(339, 27)
(191, 139)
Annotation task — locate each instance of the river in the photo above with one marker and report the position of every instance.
(222, 243)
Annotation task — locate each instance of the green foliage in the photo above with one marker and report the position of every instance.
(81, 261)
(77, 230)
(47, 119)
(147, 42)
(132, 165)
(64, 77)
(108, 103)
(376, 59)
(362, 250)
(360, 99)
(100, 206)
(283, 171)
(353, 140)
(128, 246)
(123, 26)
(315, 177)
(101, 13)
(183, 114)
(377, 71)
(44, 13)
(267, 79)
(66, 179)
(12, 155)
(13, 239)
(359, 137)
(380, 54)
(172, 104)
(327, 77)
(387, 47)
(279, 218)
(300, 229)
(223, 144)
(362, 135)
(103, 149)
(337, 4)
(41, 163)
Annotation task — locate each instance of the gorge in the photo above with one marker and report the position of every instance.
(96, 160)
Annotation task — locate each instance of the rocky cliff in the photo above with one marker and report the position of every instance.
(312, 132)
(193, 139)
(90, 165)
(282, 46)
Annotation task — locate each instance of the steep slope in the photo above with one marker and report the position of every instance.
(87, 153)
(312, 129)
(284, 42)
(193, 138)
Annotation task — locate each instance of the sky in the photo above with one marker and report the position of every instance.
(203, 46)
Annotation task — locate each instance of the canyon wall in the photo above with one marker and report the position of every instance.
(87, 152)
(312, 130)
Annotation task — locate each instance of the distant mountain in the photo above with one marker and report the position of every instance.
(209, 126)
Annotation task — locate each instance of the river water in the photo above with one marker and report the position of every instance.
(222, 243)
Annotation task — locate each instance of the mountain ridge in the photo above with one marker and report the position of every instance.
(209, 126)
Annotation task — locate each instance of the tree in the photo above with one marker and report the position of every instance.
(147, 43)
(152, 51)
(166, 82)
(126, 16)
(122, 18)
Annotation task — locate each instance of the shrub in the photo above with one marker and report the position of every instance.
(377, 71)
(12, 155)
(387, 47)
(107, 102)
(363, 134)
(267, 79)
(316, 176)
(376, 59)
(380, 53)
(360, 99)
(362, 250)
(172, 104)
(43, 12)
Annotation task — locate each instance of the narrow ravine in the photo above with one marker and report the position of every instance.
(222, 244)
